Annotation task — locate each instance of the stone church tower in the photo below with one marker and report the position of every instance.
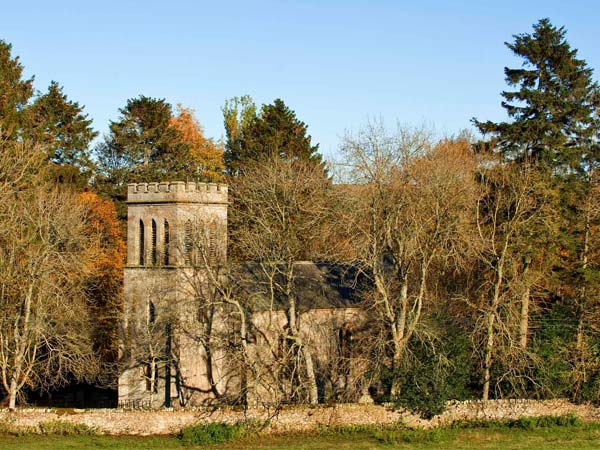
(164, 221)
(180, 336)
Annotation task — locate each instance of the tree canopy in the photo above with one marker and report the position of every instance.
(50, 121)
(553, 107)
(148, 142)
(274, 132)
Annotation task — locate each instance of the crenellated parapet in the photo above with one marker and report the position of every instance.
(177, 191)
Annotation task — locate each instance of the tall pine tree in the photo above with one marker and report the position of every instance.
(15, 93)
(61, 127)
(64, 132)
(137, 149)
(49, 120)
(274, 132)
(553, 107)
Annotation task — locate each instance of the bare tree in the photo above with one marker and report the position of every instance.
(44, 260)
(588, 295)
(280, 213)
(219, 311)
(410, 212)
(510, 211)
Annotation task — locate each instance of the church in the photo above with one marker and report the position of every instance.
(199, 330)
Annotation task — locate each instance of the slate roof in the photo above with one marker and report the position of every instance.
(317, 286)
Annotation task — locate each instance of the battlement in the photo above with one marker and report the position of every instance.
(177, 191)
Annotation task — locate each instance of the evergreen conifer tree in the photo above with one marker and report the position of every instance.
(15, 92)
(274, 132)
(553, 107)
(50, 120)
(64, 132)
(61, 127)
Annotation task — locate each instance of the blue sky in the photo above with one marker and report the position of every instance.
(336, 63)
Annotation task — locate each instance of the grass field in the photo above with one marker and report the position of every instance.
(567, 437)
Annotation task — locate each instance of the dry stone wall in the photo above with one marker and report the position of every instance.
(292, 418)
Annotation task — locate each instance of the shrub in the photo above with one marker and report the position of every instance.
(210, 433)
(59, 427)
(525, 423)
(432, 373)
(530, 423)
(6, 427)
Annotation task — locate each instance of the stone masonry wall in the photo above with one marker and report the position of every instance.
(293, 418)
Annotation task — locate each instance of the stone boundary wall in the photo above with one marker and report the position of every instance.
(291, 418)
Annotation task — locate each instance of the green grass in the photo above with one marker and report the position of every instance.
(495, 436)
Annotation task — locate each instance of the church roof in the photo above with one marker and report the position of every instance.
(317, 286)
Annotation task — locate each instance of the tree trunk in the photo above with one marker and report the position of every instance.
(245, 357)
(21, 331)
(491, 318)
(12, 399)
(401, 327)
(168, 344)
(582, 292)
(313, 393)
(489, 348)
(524, 316)
(524, 320)
(398, 335)
(396, 359)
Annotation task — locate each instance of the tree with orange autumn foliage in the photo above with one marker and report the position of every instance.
(150, 143)
(104, 286)
(204, 154)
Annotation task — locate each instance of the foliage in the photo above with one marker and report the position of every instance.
(63, 130)
(104, 284)
(52, 121)
(64, 428)
(435, 370)
(402, 247)
(138, 147)
(551, 137)
(15, 93)
(553, 111)
(274, 132)
(205, 156)
(238, 113)
(210, 433)
(147, 142)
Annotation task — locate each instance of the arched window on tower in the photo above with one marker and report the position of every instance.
(166, 244)
(153, 253)
(188, 243)
(212, 242)
(141, 243)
